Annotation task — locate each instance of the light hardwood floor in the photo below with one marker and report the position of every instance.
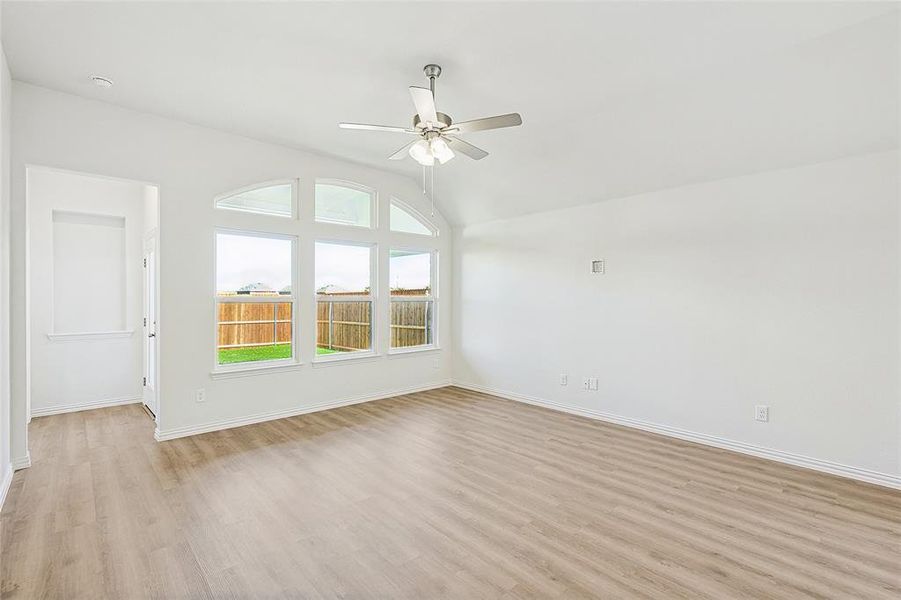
(442, 494)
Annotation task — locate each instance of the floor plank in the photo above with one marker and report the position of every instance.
(441, 494)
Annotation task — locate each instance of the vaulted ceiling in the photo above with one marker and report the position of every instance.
(617, 98)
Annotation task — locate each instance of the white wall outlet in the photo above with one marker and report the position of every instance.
(200, 395)
(593, 384)
(599, 266)
(564, 379)
(762, 412)
(436, 363)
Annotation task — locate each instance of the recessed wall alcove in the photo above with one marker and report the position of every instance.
(89, 274)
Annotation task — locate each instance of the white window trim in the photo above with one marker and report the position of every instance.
(373, 203)
(256, 365)
(304, 231)
(342, 357)
(431, 297)
(249, 188)
(262, 368)
(371, 297)
(414, 349)
(426, 222)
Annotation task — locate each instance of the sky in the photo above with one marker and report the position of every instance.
(347, 267)
(410, 271)
(244, 260)
(344, 266)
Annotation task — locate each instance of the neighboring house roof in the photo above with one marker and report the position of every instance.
(256, 287)
(332, 289)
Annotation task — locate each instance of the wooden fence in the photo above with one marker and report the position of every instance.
(254, 323)
(411, 323)
(341, 325)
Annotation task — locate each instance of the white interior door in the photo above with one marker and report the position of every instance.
(149, 330)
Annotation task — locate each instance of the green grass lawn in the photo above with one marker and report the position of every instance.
(255, 353)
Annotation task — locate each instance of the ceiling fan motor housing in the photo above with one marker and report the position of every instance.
(444, 119)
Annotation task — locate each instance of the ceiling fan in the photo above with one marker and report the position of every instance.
(436, 130)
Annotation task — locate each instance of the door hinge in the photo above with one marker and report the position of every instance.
(145, 382)
(145, 263)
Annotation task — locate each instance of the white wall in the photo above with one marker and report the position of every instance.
(86, 238)
(151, 210)
(780, 288)
(5, 433)
(191, 165)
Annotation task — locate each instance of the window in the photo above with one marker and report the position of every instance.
(412, 298)
(257, 277)
(344, 204)
(404, 220)
(275, 199)
(343, 298)
(254, 297)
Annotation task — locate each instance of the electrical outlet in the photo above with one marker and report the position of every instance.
(200, 395)
(762, 413)
(564, 379)
(593, 384)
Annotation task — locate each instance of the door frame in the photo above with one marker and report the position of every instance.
(150, 324)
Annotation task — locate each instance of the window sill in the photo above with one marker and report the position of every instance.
(325, 360)
(90, 335)
(250, 371)
(413, 350)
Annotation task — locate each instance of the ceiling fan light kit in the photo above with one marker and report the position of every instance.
(422, 153)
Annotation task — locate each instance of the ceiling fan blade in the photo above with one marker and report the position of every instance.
(390, 128)
(510, 120)
(425, 104)
(403, 152)
(466, 148)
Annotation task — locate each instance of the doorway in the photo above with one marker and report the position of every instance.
(88, 292)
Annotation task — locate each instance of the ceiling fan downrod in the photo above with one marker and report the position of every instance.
(433, 72)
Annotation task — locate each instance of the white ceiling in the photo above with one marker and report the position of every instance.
(617, 98)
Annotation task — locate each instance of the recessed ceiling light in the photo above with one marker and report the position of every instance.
(102, 81)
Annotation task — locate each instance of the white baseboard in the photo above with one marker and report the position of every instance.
(23, 462)
(178, 432)
(798, 460)
(7, 481)
(67, 408)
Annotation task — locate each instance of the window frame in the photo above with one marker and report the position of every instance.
(256, 365)
(294, 183)
(373, 203)
(431, 297)
(434, 231)
(305, 231)
(372, 298)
